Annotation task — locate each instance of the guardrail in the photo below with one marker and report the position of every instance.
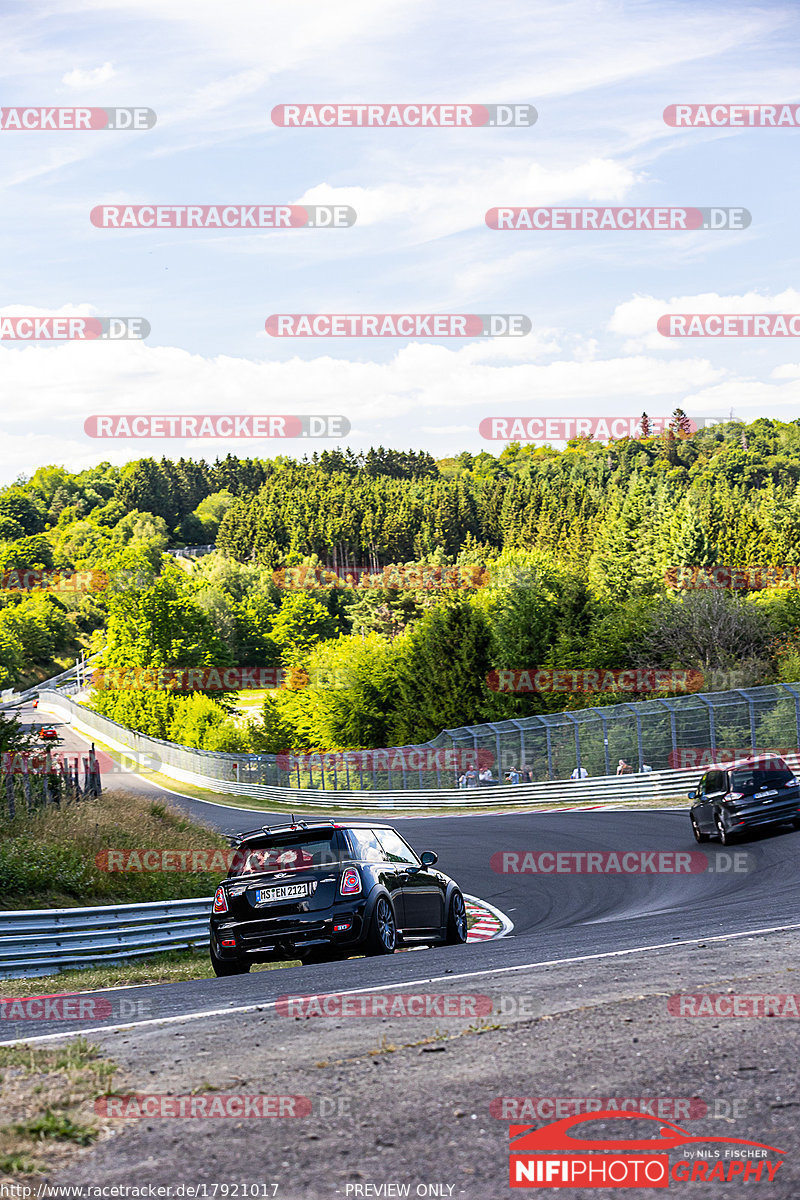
(232, 774)
(47, 941)
(65, 680)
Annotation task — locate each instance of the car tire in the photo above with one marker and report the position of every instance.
(382, 936)
(698, 835)
(796, 823)
(228, 966)
(456, 921)
(726, 838)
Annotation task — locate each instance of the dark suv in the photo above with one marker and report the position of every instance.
(744, 795)
(325, 890)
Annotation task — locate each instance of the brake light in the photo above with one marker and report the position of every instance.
(351, 882)
(220, 901)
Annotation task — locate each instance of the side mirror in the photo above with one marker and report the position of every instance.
(428, 858)
(692, 795)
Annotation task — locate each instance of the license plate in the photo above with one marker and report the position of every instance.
(288, 891)
(763, 795)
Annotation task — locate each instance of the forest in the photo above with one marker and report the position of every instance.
(567, 560)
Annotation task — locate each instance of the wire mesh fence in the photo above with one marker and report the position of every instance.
(659, 734)
(30, 782)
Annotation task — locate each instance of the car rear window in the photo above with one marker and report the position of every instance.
(752, 779)
(286, 853)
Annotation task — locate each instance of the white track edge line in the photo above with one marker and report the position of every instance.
(129, 1026)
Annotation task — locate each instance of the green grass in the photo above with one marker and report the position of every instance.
(58, 1126)
(48, 1105)
(50, 858)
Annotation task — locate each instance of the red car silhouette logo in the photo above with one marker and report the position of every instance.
(527, 1139)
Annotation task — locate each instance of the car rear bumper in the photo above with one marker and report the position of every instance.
(766, 815)
(285, 937)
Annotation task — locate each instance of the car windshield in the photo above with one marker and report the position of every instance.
(753, 779)
(286, 853)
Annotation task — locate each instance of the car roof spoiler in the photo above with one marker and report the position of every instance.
(237, 838)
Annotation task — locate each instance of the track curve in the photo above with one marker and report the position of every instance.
(556, 916)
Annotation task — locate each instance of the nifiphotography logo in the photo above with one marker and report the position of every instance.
(631, 1162)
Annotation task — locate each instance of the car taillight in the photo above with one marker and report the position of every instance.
(220, 901)
(351, 882)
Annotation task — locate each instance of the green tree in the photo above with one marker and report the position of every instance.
(443, 666)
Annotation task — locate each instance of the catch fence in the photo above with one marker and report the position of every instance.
(658, 735)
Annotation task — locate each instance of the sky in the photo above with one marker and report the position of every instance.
(599, 74)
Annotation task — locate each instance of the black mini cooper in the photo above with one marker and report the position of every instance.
(752, 793)
(326, 890)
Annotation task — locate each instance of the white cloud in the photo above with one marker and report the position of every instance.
(79, 78)
(446, 199)
(636, 319)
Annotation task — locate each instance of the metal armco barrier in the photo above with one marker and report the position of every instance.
(46, 941)
(235, 775)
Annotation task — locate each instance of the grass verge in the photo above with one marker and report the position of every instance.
(48, 1106)
(52, 858)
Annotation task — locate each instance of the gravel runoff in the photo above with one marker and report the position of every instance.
(387, 1111)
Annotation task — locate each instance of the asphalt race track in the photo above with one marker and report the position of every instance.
(595, 956)
(556, 916)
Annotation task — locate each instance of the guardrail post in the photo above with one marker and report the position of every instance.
(604, 723)
(752, 715)
(712, 729)
(796, 710)
(577, 741)
(638, 720)
(549, 752)
(672, 725)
